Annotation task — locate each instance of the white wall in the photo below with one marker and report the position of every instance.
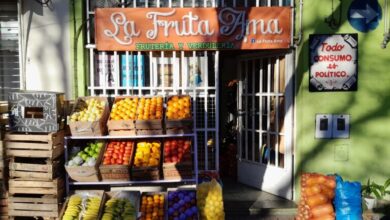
(46, 46)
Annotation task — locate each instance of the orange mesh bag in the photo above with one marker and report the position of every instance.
(317, 193)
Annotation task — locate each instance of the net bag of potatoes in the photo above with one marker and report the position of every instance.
(317, 193)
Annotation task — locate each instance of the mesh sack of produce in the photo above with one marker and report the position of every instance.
(210, 202)
(348, 200)
(317, 193)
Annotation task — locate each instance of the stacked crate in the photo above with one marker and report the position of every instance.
(3, 162)
(36, 182)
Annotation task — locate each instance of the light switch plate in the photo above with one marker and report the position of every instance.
(323, 126)
(341, 125)
(341, 152)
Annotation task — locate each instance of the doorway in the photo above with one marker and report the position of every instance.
(264, 119)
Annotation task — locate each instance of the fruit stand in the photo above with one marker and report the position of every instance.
(137, 150)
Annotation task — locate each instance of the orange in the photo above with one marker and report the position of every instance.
(175, 98)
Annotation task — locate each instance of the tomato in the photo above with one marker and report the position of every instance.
(115, 155)
(174, 144)
(128, 147)
(129, 144)
(167, 144)
(113, 161)
(117, 147)
(126, 161)
(122, 150)
(119, 161)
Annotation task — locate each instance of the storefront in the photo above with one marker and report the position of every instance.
(276, 108)
(194, 50)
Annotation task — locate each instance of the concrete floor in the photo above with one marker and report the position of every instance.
(246, 203)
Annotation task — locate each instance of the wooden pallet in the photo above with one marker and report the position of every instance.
(45, 206)
(40, 169)
(34, 145)
(38, 187)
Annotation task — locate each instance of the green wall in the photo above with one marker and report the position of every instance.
(79, 61)
(368, 147)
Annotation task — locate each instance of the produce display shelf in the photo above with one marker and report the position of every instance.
(128, 137)
(135, 182)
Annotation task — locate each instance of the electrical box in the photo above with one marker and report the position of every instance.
(340, 126)
(323, 126)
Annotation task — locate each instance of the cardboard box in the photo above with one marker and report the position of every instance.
(84, 194)
(115, 125)
(87, 128)
(86, 173)
(132, 196)
(35, 111)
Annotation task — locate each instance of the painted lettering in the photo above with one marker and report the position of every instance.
(325, 74)
(233, 21)
(329, 47)
(190, 25)
(118, 19)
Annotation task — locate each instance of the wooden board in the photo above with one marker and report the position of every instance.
(47, 171)
(122, 132)
(45, 206)
(34, 145)
(40, 187)
(3, 106)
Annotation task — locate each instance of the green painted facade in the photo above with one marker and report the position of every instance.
(78, 58)
(367, 148)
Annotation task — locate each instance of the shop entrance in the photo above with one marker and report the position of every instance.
(265, 122)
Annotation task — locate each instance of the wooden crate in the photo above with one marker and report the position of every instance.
(35, 168)
(40, 187)
(122, 132)
(42, 206)
(178, 171)
(3, 207)
(145, 173)
(150, 132)
(35, 145)
(87, 128)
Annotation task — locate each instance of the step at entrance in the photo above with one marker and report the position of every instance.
(241, 201)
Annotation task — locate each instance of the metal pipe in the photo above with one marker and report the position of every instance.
(298, 38)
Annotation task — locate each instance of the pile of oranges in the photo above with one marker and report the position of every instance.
(150, 108)
(179, 107)
(137, 108)
(152, 207)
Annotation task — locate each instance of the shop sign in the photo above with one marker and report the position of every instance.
(333, 62)
(153, 29)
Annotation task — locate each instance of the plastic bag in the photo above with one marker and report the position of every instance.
(210, 202)
(348, 200)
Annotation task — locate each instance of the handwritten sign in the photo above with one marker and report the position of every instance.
(333, 62)
(151, 29)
